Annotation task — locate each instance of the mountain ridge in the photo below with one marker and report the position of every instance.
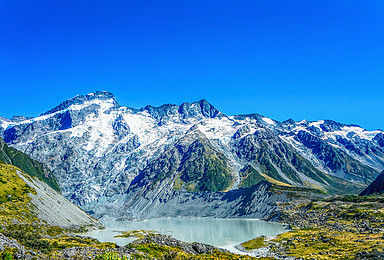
(96, 148)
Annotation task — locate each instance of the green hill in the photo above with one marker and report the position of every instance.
(25, 163)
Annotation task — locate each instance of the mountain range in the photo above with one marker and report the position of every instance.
(119, 161)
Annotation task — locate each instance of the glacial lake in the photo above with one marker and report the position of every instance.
(214, 231)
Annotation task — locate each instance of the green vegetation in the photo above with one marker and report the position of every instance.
(6, 255)
(249, 176)
(152, 251)
(110, 256)
(137, 233)
(25, 163)
(254, 243)
(328, 244)
(156, 251)
(279, 188)
(178, 183)
(274, 159)
(199, 168)
(27, 236)
(204, 169)
(68, 240)
(357, 199)
(14, 199)
(337, 228)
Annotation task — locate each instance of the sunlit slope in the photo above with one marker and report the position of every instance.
(28, 200)
(25, 163)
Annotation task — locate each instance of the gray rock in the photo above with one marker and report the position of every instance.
(190, 248)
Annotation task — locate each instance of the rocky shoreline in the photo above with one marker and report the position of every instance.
(90, 252)
(333, 228)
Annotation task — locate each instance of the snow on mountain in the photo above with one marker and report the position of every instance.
(357, 142)
(96, 147)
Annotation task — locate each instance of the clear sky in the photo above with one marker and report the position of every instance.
(284, 59)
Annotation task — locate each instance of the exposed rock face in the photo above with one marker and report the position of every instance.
(376, 187)
(105, 155)
(51, 207)
(163, 201)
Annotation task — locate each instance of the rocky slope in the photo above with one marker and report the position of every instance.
(25, 163)
(376, 187)
(26, 199)
(253, 202)
(29, 200)
(102, 153)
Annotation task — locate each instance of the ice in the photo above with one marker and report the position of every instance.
(268, 121)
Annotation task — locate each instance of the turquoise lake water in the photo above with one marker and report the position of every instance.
(213, 231)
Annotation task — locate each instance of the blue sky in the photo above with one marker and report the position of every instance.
(283, 59)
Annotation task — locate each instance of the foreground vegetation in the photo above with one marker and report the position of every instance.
(337, 228)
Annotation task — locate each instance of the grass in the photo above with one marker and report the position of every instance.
(25, 163)
(110, 256)
(334, 229)
(328, 244)
(254, 243)
(152, 251)
(7, 254)
(136, 233)
(14, 199)
(66, 241)
(156, 251)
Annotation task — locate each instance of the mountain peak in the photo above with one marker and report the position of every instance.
(81, 99)
(102, 95)
(207, 109)
(197, 109)
(202, 107)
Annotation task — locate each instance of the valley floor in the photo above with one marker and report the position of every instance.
(333, 228)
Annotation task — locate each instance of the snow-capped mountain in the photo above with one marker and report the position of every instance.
(102, 152)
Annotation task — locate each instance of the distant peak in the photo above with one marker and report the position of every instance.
(203, 101)
(185, 110)
(103, 95)
(80, 99)
(205, 108)
(289, 121)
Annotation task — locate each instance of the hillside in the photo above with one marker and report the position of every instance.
(376, 187)
(30, 201)
(25, 163)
